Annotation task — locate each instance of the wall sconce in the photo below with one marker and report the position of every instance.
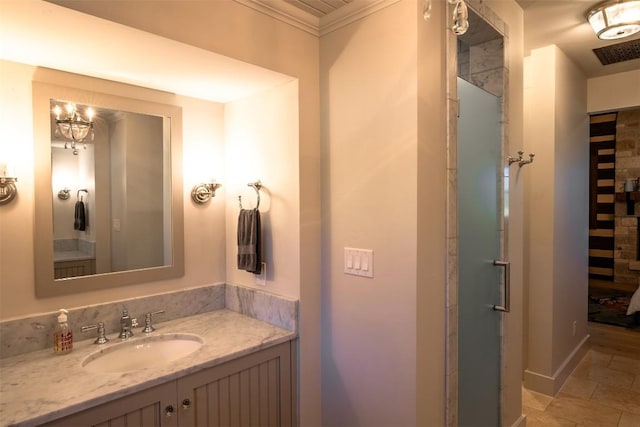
(615, 19)
(203, 192)
(460, 17)
(426, 9)
(8, 189)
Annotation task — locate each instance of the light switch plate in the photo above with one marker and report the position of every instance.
(358, 262)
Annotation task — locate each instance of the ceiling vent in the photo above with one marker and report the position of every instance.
(625, 51)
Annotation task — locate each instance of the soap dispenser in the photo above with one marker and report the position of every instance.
(62, 335)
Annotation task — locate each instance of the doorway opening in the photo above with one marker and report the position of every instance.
(614, 219)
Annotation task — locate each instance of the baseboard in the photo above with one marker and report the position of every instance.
(550, 385)
(520, 422)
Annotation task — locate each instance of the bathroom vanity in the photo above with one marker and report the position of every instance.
(243, 374)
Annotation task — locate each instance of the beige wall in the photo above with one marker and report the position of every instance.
(613, 92)
(384, 141)
(369, 78)
(431, 270)
(556, 216)
(571, 206)
(261, 143)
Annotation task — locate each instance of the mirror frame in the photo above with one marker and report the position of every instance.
(45, 284)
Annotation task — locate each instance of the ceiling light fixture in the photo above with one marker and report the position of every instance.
(615, 19)
(73, 126)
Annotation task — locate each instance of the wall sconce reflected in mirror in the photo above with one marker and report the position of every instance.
(64, 194)
(203, 192)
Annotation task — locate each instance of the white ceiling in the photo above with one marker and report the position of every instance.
(546, 22)
(30, 34)
(563, 23)
(319, 8)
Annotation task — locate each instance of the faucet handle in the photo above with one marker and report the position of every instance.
(101, 339)
(148, 328)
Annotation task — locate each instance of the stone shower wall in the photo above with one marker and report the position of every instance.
(482, 64)
(626, 265)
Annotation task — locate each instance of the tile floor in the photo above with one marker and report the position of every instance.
(603, 390)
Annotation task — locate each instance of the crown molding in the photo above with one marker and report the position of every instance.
(345, 15)
(287, 13)
(352, 12)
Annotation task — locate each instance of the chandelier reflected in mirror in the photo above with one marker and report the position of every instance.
(73, 126)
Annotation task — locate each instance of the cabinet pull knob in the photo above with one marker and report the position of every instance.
(168, 411)
(186, 404)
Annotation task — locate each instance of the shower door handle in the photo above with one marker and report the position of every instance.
(507, 285)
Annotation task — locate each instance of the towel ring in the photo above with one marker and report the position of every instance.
(256, 186)
(79, 191)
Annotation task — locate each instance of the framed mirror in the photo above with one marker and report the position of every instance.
(108, 190)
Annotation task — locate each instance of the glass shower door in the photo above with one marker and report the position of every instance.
(479, 189)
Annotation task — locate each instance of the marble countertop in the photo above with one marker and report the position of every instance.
(40, 386)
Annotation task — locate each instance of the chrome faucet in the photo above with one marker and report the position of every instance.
(127, 323)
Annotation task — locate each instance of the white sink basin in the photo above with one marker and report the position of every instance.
(142, 353)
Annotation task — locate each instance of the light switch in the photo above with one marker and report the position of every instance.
(358, 262)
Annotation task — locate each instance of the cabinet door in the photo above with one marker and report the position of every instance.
(143, 409)
(254, 390)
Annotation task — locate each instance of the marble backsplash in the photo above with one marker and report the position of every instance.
(31, 333)
(72, 245)
(274, 309)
